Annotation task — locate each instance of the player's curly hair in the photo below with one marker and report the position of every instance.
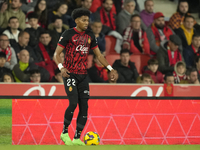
(79, 12)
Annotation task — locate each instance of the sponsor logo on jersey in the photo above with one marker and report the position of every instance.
(89, 40)
(82, 48)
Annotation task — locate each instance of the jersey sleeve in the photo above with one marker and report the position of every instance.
(94, 43)
(64, 39)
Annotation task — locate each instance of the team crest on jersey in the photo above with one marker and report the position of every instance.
(60, 38)
(70, 88)
(89, 40)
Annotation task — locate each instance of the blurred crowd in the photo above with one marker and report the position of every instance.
(30, 30)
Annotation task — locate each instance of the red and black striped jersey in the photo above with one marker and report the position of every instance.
(77, 45)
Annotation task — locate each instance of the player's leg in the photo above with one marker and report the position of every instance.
(71, 90)
(83, 90)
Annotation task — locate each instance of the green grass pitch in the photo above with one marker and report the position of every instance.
(5, 121)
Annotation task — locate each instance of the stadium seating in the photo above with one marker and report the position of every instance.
(110, 45)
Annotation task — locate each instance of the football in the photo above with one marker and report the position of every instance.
(91, 138)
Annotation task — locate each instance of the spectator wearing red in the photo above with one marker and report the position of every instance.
(157, 32)
(169, 54)
(190, 52)
(156, 75)
(44, 52)
(177, 18)
(107, 16)
(135, 39)
(179, 72)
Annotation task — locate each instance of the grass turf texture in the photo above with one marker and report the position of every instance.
(5, 121)
(101, 147)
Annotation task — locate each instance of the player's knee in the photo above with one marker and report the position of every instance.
(73, 106)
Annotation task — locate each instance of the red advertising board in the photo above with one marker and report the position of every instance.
(97, 90)
(117, 121)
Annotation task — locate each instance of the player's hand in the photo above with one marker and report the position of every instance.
(113, 75)
(65, 73)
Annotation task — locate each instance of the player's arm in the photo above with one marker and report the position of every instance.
(104, 62)
(57, 60)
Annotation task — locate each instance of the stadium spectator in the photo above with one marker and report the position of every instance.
(61, 11)
(23, 40)
(107, 16)
(10, 11)
(191, 51)
(72, 4)
(86, 4)
(35, 30)
(147, 14)
(169, 54)
(98, 73)
(35, 76)
(192, 77)
(197, 62)
(157, 32)
(177, 18)
(145, 79)
(41, 10)
(135, 38)
(125, 15)
(21, 71)
(56, 29)
(58, 76)
(179, 72)
(2, 63)
(169, 79)
(28, 5)
(186, 31)
(5, 47)
(125, 68)
(7, 77)
(44, 52)
(12, 32)
(96, 27)
(44, 49)
(119, 5)
(152, 70)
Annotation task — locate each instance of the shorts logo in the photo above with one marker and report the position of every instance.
(70, 88)
(89, 40)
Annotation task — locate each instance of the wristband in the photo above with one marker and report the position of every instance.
(60, 66)
(109, 67)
